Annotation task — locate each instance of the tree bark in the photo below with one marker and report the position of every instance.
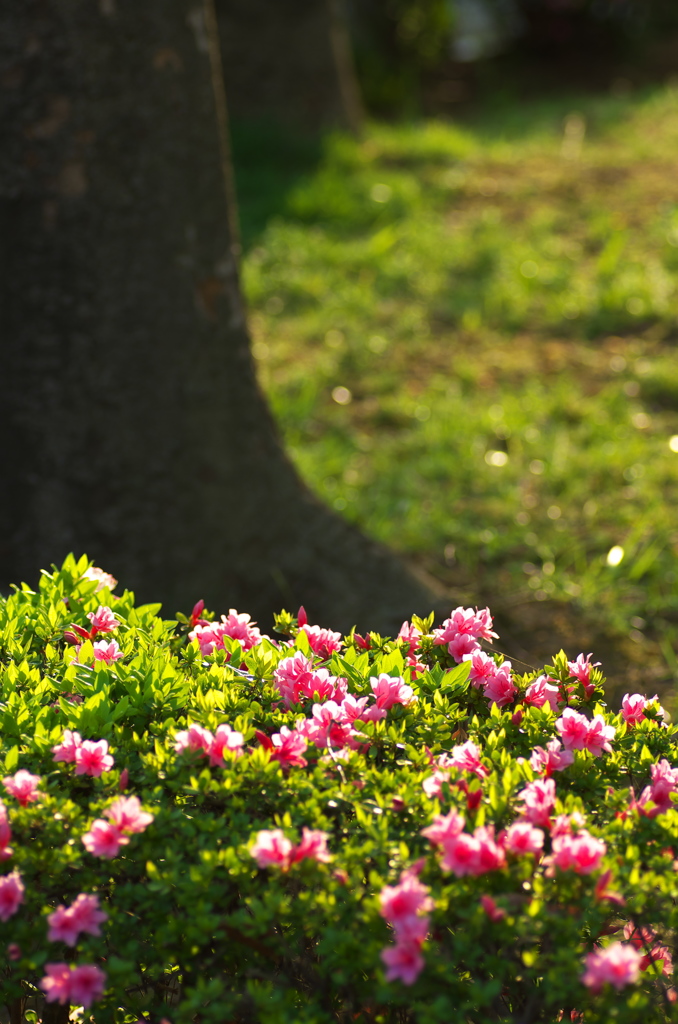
(289, 60)
(131, 421)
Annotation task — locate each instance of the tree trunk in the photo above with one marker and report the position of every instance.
(132, 424)
(289, 60)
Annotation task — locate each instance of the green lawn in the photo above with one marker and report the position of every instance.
(467, 335)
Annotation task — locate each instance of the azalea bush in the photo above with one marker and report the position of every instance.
(203, 823)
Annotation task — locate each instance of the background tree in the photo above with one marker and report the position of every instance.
(289, 61)
(132, 424)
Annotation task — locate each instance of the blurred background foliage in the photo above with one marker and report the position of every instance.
(465, 317)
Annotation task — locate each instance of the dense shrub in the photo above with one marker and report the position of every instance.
(203, 824)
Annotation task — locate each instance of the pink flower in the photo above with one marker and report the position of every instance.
(466, 756)
(297, 680)
(93, 758)
(225, 739)
(405, 907)
(581, 853)
(466, 621)
(68, 748)
(581, 669)
(313, 846)
(573, 728)
(103, 620)
(127, 816)
(404, 962)
(192, 739)
(461, 646)
(57, 983)
(66, 923)
(288, 747)
(107, 652)
(323, 642)
(103, 579)
(633, 708)
(87, 984)
(538, 799)
(461, 855)
(409, 634)
(494, 912)
(541, 692)
(239, 627)
(6, 850)
(522, 837)
(658, 793)
(598, 736)
(104, 839)
(272, 848)
(11, 895)
(483, 667)
(500, 690)
(490, 853)
(23, 786)
(553, 759)
(617, 965)
(444, 829)
(389, 691)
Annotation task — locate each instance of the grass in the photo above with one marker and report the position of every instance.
(467, 336)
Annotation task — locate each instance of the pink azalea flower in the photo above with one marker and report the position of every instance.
(313, 846)
(288, 748)
(658, 793)
(389, 690)
(84, 915)
(240, 627)
(581, 669)
(323, 642)
(68, 748)
(297, 680)
(410, 635)
(433, 785)
(444, 829)
(500, 690)
(225, 739)
(405, 907)
(404, 962)
(461, 646)
(490, 853)
(617, 965)
(272, 848)
(523, 837)
(542, 691)
(107, 652)
(598, 736)
(633, 708)
(477, 624)
(6, 850)
(103, 620)
(581, 853)
(461, 855)
(87, 984)
(466, 756)
(538, 799)
(23, 786)
(11, 895)
(93, 758)
(483, 667)
(494, 912)
(573, 728)
(104, 839)
(103, 579)
(553, 759)
(192, 739)
(126, 814)
(57, 983)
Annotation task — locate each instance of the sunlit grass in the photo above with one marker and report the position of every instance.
(467, 336)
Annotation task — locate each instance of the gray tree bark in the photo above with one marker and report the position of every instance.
(131, 423)
(289, 60)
